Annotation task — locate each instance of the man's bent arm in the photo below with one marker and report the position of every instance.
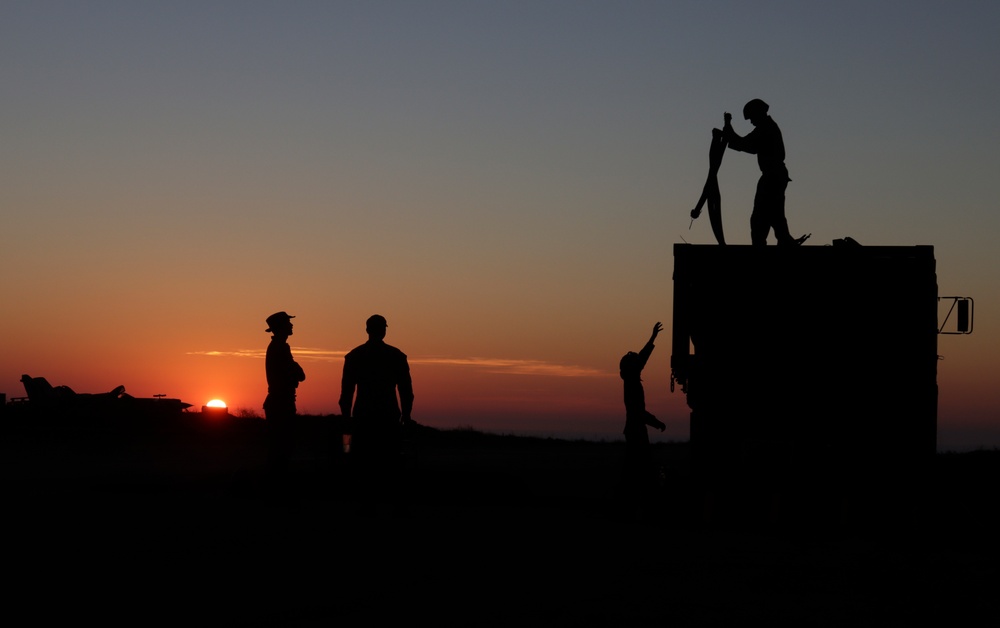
(406, 397)
(744, 144)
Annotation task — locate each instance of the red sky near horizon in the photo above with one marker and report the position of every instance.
(515, 396)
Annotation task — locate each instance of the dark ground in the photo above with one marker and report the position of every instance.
(183, 525)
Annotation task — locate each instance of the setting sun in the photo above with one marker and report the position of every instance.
(216, 403)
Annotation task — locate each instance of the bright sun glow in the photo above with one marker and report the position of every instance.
(216, 403)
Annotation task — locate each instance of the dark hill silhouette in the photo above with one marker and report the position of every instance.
(177, 521)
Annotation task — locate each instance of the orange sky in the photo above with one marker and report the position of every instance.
(506, 395)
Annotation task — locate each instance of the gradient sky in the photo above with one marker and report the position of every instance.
(504, 181)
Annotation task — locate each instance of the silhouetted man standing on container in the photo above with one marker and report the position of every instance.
(376, 371)
(766, 142)
(283, 377)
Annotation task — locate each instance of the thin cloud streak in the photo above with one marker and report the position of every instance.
(497, 366)
(516, 367)
(304, 353)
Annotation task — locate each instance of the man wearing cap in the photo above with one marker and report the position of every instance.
(376, 371)
(283, 377)
(766, 142)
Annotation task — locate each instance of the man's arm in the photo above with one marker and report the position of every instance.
(296, 372)
(744, 144)
(347, 385)
(657, 328)
(281, 368)
(405, 387)
(652, 421)
(647, 350)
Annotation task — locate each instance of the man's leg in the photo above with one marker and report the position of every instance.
(278, 425)
(780, 224)
(760, 220)
(769, 207)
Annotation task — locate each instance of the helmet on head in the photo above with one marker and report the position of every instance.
(754, 108)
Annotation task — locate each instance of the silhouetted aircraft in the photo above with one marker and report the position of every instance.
(44, 399)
